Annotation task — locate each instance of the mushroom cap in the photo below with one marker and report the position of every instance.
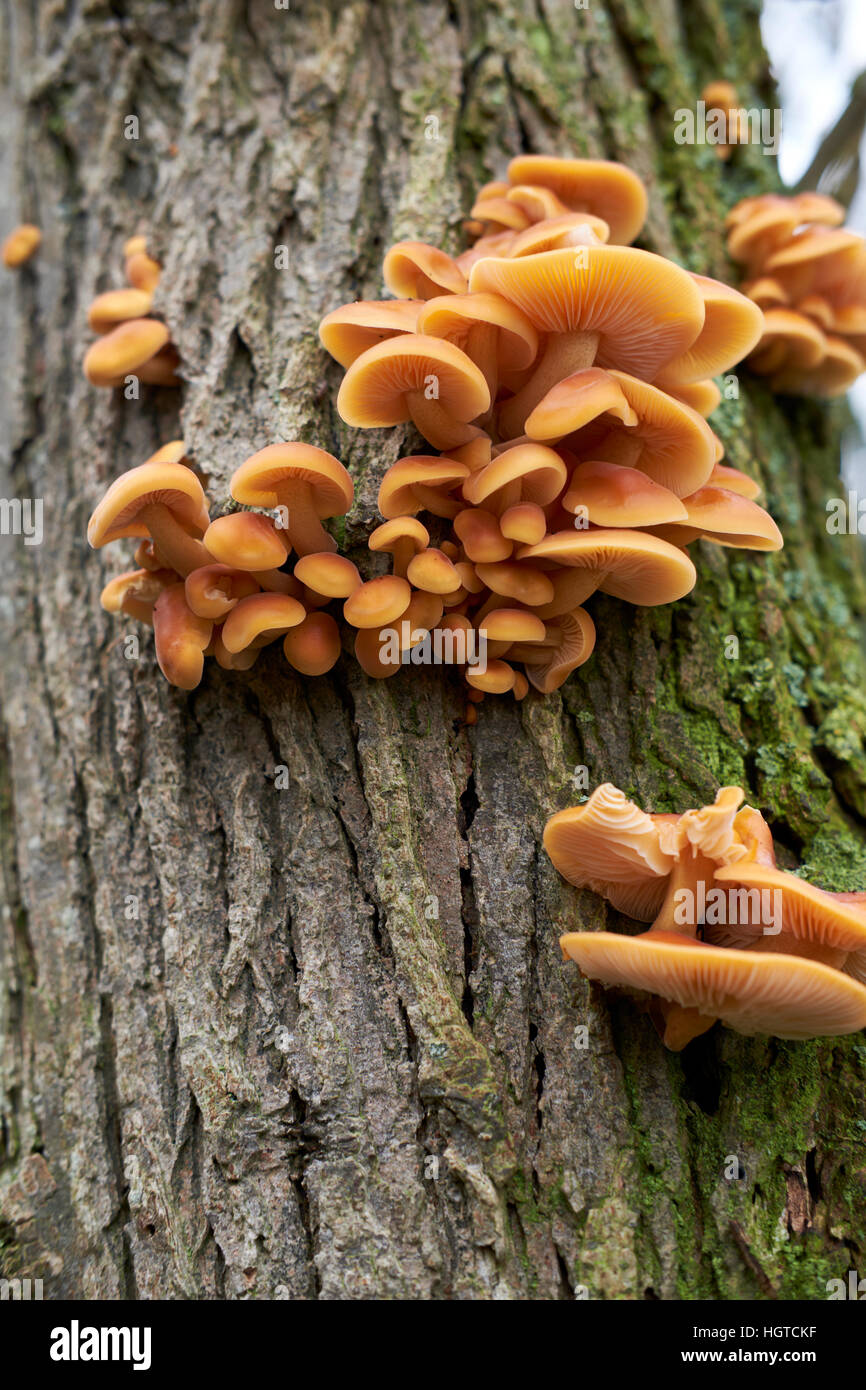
(539, 203)
(734, 481)
(378, 602)
(373, 391)
(180, 638)
(646, 310)
(789, 339)
(729, 518)
(20, 245)
(313, 647)
(574, 646)
(808, 913)
(524, 522)
(414, 270)
(575, 229)
(512, 625)
(631, 565)
(576, 401)
(496, 679)
(116, 306)
(142, 271)
(719, 93)
(618, 496)
(122, 351)
(412, 483)
(481, 536)
(212, 591)
(521, 582)
(422, 615)
(265, 478)
(613, 847)
(172, 452)
(839, 368)
(815, 259)
(389, 535)
(785, 996)
(432, 571)
(453, 316)
(348, 331)
(678, 447)
(603, 187)
(702, 396)
(167, 484)
(135, 592)
(332, 576)
(245, 541)
(369, 654)
(768, 224)
(539, 473)
(260, 618)
(766, 292)
(499, 212)
(732, 327)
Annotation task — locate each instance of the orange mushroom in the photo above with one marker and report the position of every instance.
(307, 483)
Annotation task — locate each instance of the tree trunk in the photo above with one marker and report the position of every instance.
(283, 1009)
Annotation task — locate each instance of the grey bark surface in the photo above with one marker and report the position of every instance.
(316, 1040)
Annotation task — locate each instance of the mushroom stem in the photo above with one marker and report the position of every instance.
(303, 530)
(438, 427)
(182, 551)
(481, 345)
(564, 354)
(687, 872)
(404, 550)
(682, 1025)
(619, 447)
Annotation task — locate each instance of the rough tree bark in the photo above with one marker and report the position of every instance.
(236, 1094)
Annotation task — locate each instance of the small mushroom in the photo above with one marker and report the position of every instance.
(313, 647)
(308, 483)
(419, 378)
(117, 306)
(162, 500)
(246, 541)
(20, 245)
(598, 186)
(378, 602)
(180, 638)
(414, 270)
(259, 619)
(136, 592)
(124, 351)
(347, 332)
(327, 575)
(214, 590)
(421, 482)
(403, 537)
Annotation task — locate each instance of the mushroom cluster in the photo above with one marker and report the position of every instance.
(131, 343)
(563, 377)
(732, 936)
(219, 587)
(808, 274)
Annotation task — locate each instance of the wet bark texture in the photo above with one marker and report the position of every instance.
(316, 1040)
